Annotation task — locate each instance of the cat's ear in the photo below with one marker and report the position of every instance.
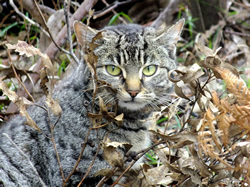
(172, 34)
(84, 33)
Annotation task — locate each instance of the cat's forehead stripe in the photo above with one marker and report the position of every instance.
(131, 45)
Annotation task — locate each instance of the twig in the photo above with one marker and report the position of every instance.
(200, 16)
(238, 33)
(48, 30)
(165, 14)
(54, 145)
(6, 17)
(61, 37)
(196, 99)
(14, 70)
(114, 12)
(66, 10)
(33, 168)
(26, 18)
(47, 10)
(139, 155)
(80, 156)
(112, 7)
(93, 160)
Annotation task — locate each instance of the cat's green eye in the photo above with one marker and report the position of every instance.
(113, 70)
(149, 70)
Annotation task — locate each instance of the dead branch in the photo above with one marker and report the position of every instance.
(62, 35)
(47, 10)
(80, 156)
(31, 8)
(48, 30)
(114, 12)
(92, 163)
(26, 18)
(66, 11)
(166, 15)
(14, 70)
(112, 7)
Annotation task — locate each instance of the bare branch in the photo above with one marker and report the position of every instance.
(26, 18)
(66, 10)
(47, 28)
(114, 12)
(167, 13)
(112, 7)
(14, 70)
(62, 35)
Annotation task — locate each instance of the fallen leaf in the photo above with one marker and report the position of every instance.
(53, 105)
(19, 101)
(113, 152)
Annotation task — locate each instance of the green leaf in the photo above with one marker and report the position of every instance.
(116, 16)
(162, 119)
(127, 17)
(2, 33)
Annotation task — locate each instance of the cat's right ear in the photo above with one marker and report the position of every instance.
(84, 33)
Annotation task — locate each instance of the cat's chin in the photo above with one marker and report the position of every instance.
(131, 105)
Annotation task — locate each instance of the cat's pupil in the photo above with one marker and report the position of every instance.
(149, 70)
(113, 70)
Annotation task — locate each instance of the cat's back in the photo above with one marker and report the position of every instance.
(25, 152)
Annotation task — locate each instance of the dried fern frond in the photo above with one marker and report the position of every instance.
(235, 85)
(208, 139)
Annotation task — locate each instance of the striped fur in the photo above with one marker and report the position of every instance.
(129, 47)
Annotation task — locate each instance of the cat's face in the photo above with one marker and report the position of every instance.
(134, 60)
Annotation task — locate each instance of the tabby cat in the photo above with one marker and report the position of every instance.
(132, 65)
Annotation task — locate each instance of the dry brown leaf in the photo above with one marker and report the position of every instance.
(11, 94)
(23, 48)
(7, 71)
(200, 165)
(53, 105)
(23, 112)
(112, 154)
(44, 79)
(193, 174)
(213, 62)
(182, 138)
(20, 103)
(193, 73)
(104, 114)
(158, 175)
(178, 90)
(119, 117)
(103, 172)
(102, 106)
(29, 50)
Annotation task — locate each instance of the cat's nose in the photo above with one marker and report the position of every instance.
(133, 93)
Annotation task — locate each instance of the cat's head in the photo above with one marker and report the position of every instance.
(134, 60)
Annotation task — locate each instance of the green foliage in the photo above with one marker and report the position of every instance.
(1, 106)
(189, 21)
(116, 16)
(62, 67)
(162, 119)
(2, 32)
(152, 157)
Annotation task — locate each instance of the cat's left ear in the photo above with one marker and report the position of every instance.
(84, 33)
(172, 34)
